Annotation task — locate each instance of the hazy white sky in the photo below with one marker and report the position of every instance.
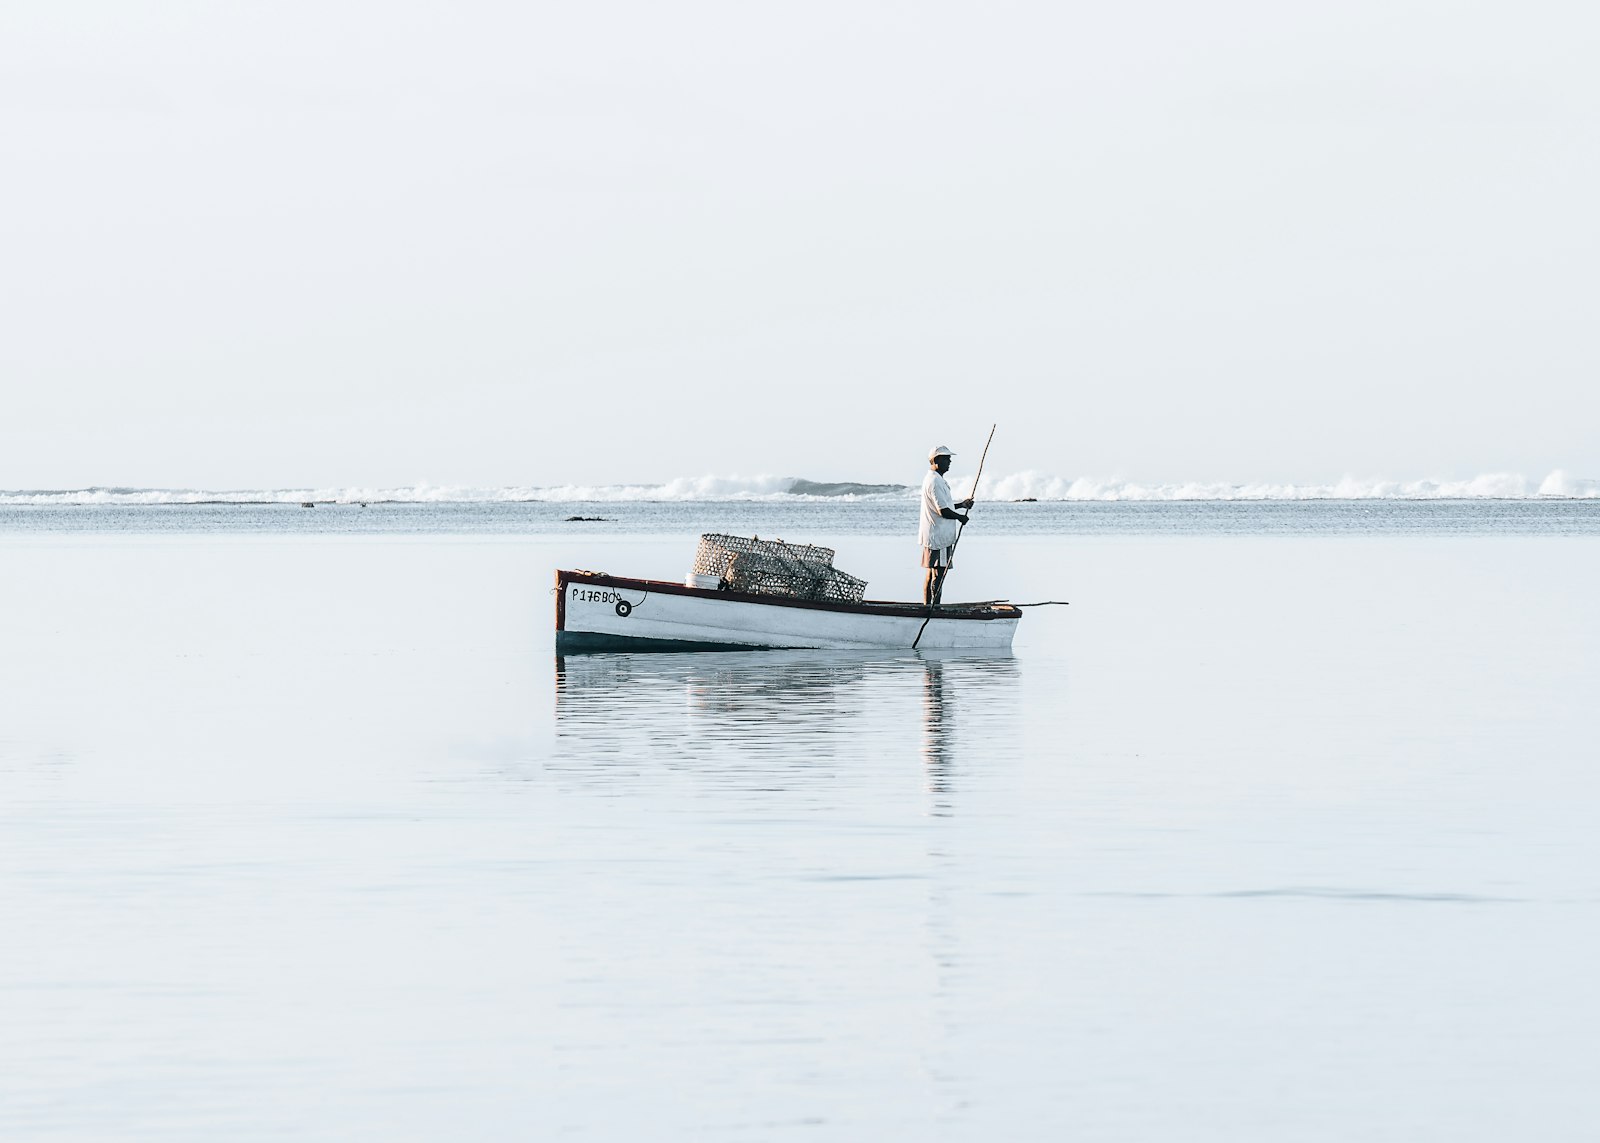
(363, 242)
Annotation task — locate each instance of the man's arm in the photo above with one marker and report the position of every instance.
(947, 507)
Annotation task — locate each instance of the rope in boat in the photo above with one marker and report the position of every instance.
(939, 583)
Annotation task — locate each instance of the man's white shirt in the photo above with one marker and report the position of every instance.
(936, 531)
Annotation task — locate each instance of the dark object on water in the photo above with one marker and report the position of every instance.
(307, 504)
(586, 520)
(840, 488)
(1027, 500)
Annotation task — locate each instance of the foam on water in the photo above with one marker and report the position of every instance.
(681, 489)
(1025, 485)
(1488, 486)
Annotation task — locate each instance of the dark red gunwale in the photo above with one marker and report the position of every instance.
(667, 587)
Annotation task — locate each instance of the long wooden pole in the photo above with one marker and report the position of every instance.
(962, 526)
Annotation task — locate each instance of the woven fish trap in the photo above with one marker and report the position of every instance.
(772, 567)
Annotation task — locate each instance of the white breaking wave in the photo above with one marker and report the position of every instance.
(682, 489)
(134, 497)
(690, 489)
(1490, 486)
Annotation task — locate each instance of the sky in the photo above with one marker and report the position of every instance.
(358, 243)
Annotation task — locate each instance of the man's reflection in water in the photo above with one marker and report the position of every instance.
(969, 720)
(782, 720)
(937, 714)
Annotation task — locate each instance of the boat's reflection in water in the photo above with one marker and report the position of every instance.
(782, 720)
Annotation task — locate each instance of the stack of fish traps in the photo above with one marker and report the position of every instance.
(772, 567)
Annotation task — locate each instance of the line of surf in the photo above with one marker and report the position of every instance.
(1020, 486)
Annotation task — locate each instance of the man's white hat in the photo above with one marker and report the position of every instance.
(940, 450)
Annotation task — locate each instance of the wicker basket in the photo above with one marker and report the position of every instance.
(772, 567)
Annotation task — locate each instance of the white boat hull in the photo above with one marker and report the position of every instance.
(597, 613)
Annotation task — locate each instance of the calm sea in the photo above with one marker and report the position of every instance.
(1283, 830)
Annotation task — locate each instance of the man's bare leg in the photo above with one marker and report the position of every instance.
(933, 586)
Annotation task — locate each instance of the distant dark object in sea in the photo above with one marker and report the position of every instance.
(840, 488)
(1027, 500)
(586, 520)
(307, 504)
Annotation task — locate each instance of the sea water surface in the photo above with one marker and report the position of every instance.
(1283, 830)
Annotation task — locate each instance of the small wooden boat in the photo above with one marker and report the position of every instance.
(599, 612)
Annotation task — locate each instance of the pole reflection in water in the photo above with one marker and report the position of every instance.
(819, 721)
(937, 711)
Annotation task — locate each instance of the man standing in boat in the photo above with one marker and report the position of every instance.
(940, 524)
